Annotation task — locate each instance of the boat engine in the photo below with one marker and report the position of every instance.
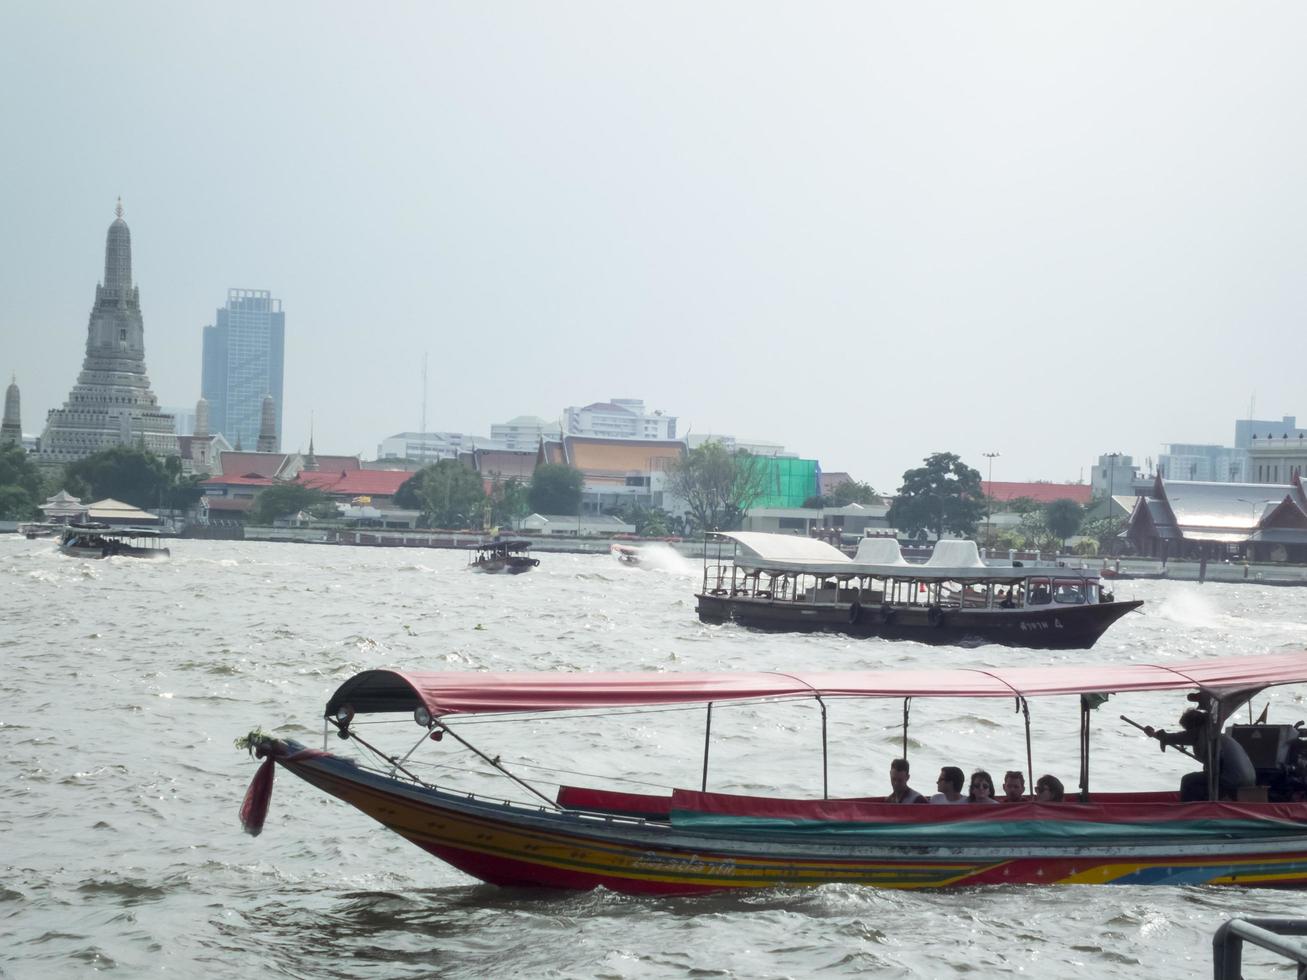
(1279, 754)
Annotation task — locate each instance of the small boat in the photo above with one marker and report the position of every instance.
(40, 529)
(690, 841)
(787, 583)
(502, 556)
(106, 541)
(627, 554)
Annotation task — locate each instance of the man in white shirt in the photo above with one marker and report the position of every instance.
(949, 785)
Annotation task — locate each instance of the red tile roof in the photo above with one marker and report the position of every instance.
(1042, 493)
(264, 464)
(243, 480)
(356, 483)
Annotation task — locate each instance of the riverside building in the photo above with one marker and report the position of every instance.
(112, 403)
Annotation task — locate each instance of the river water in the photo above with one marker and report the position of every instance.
(125, 683)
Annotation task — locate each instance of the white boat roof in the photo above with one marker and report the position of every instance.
(879, 551)
(960, 561)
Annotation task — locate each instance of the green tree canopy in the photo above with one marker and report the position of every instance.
(127, 473)
(22, 487)
(944, 495)
(508, 500)
(556, 489)
(852, 492)
(447, 493)
(1064, 518)
(284, 499)
(719, 486)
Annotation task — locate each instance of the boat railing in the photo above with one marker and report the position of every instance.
(1272, 935)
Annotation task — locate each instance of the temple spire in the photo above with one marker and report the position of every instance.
(118, 256)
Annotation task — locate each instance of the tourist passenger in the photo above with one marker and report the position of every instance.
(949, 785)
(1048, 789)
(982, 788)
(898, 780)
(1014, 786)
(1234, 768)
(1008, 602)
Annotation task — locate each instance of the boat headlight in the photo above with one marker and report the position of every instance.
(344, 715)
(422, 716)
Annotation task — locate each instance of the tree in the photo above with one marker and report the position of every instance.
(1064, 518)
(944, 495)
(649, 522)
(450, 495)
(508, 500)
(556, 489)
(719, 486)
(1106, 531)
(852, 492)
(284, 499)
(21, 484)
(125, 473)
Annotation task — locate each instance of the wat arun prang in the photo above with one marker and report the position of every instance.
(112, 403)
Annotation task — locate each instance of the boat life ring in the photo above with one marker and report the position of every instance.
(855, 610)
(935, 616)
(887, 613)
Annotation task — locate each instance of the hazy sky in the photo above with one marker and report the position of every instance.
(868, 231)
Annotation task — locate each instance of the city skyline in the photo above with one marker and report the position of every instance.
(1029, 231)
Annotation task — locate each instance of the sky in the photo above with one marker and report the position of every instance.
(868, 231)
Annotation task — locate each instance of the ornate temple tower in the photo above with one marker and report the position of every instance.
(11, 430)
(112, 402)
(200, 438)
(268, 427)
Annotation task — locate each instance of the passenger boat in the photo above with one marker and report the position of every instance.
(105, 541)
(689, 841)
(788, 583)
(502, 556)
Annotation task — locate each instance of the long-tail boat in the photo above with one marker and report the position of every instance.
(691, 841)
(782, 582)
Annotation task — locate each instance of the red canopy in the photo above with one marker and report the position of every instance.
(449, 693)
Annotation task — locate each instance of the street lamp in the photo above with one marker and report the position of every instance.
(989, 500)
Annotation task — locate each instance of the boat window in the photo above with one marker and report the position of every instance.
(1068, 590)
(1039, 592)
(1091, 590)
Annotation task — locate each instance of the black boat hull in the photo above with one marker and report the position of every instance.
(1054, 627)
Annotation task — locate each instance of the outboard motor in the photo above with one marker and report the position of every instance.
(1279, 754)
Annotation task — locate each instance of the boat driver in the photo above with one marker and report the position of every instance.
(1234, 768)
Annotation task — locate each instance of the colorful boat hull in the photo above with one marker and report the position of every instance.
(516, 845)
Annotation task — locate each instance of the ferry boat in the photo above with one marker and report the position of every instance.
(502, 556)
(692, 840)
(105, 541)
(788, 583)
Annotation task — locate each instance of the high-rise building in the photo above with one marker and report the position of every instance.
(244, 356)
(112, 403)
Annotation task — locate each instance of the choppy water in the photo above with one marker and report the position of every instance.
(125, 683)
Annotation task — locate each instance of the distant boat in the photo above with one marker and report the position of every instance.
(40, 529)
(792, 584)
(627, 554)
(104, 541)
(502, 556)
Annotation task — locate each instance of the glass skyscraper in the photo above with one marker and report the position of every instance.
(244, 356)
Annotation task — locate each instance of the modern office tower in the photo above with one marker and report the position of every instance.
(112, 403)
(244, 355)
